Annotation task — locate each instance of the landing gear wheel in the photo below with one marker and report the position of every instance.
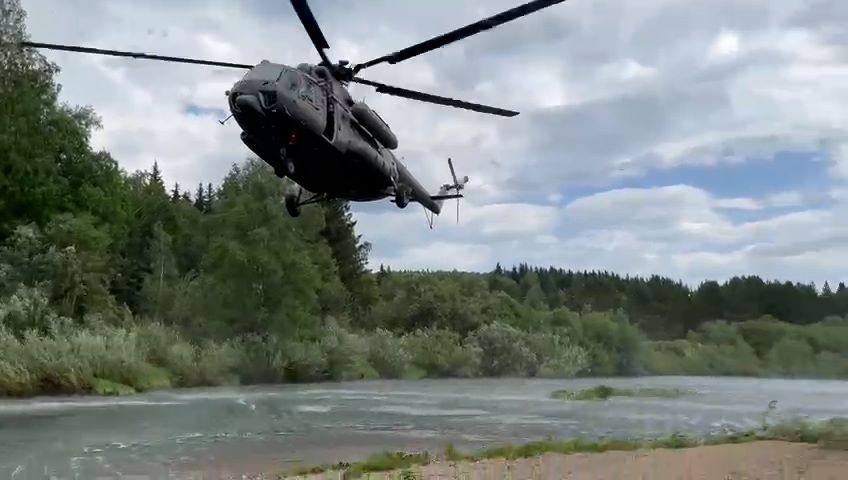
(402, 197)
(293, 206)
(285, 167)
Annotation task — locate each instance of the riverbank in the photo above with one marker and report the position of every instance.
(767, 459)
(773, 452)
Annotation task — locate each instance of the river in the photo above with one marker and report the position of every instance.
(168, 434)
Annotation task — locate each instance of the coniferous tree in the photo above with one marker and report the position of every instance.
(209, 198)
(826, 291)
(175, 193)
(200, 198)
(156, 177)
(349, 251)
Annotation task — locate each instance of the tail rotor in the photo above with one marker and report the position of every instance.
(453, 190)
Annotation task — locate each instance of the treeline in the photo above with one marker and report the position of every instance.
(112, 282)
(665, 308)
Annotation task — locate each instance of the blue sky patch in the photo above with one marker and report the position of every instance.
(198, 111)
(805, 172)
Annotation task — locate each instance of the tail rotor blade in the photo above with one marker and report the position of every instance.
(453, 172)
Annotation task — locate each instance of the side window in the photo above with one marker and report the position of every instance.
(310, 92)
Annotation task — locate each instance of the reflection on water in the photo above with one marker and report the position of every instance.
(165, 433)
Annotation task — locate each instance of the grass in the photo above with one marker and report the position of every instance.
(832, 434)
(109, 360)
(102, 386)
(379, 462)
(603, 392)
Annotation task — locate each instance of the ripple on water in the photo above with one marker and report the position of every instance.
(17, 407)
(313, 408)
(428, 412)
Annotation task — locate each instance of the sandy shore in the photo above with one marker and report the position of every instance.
(763, 460)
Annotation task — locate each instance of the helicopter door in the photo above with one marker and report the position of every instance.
(330, 125)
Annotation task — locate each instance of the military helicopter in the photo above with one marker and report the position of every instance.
(303, 122)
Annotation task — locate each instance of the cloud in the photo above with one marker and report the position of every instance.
(725, 45)
(611, 92)
(840, 162)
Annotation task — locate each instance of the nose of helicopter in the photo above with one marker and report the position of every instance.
(247, 109)
(253, 98)
(253, 103)
(248, 105)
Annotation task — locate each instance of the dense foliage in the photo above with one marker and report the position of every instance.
(111, 282)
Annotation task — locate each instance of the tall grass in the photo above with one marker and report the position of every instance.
(75, 360)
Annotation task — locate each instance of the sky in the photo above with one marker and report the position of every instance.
(697, 139)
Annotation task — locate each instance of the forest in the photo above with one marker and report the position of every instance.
(113, 282)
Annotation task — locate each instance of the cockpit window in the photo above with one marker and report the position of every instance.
(291, 80)
(264, 71)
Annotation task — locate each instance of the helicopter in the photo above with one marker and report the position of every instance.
(304, 123)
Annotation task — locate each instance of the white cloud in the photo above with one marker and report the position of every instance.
(725, 45)
(738, 204)
(840, 162)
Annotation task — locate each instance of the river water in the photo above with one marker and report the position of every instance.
(169, 434)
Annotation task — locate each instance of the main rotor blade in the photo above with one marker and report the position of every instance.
(118, 53)
(304, 13)
(460, 33)
(427, 97)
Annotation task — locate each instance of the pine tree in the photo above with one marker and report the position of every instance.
(175, 193)
(826, 291)
(156, 176)
(200, 198)
(210, 198)
(349, 252)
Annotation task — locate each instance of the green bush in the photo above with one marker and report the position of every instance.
(503, 350)
(764, 333)
(441, 353)
(216, 363)
(113, 354)
(791, 356)
(304, 362)
(54, 364)
(15, 378)
(27, 308)
(829, 335)
(261, 359)
(346, 354)
(614, 345)
(830, 365)
(108, 387)
(388, 355)
(556, 356)
(684, 357)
